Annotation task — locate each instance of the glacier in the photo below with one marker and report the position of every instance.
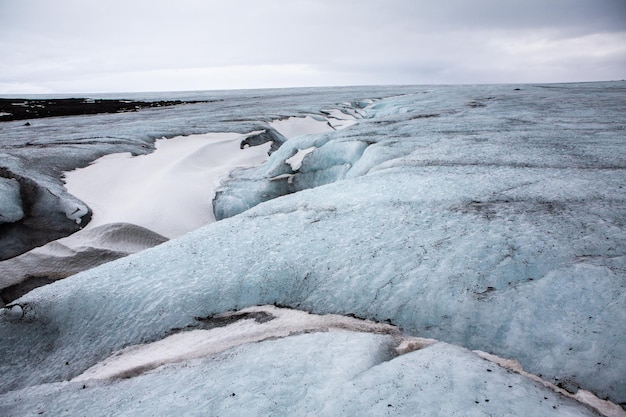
(486, 218)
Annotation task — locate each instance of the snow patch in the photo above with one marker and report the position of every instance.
(169, 191)
(296, 160)
(332, 119)
(288, 177)
(292, 127)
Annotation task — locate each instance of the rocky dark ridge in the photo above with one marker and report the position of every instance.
(23, 109)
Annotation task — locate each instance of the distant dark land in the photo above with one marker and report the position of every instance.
(23, 109)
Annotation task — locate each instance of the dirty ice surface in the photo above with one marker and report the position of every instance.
(491, 218)
(302, 364)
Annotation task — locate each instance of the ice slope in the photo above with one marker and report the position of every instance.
(481, 216)
(61, 258)
(11, 202)
(332, 373)
(510, 285)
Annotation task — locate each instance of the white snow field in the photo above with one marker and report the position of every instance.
(488, 218)
(168, 191)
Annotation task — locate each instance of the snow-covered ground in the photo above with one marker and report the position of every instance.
(488, 218)
(168, 191)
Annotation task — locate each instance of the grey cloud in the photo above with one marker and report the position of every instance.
(585, 15)
(390, 41)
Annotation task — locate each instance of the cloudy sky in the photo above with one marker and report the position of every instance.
(69, 46)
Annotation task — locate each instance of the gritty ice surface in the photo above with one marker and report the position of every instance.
(486, 217)
(10, 201)
(335, 373)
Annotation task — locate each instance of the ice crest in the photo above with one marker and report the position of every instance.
(10, 201)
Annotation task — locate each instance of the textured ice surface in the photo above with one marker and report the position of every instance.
(10, 201)
(333, 374)
(481, 216)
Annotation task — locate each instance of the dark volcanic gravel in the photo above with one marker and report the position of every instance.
(22, 109)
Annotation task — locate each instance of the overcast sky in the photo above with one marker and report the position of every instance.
(69, 46)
